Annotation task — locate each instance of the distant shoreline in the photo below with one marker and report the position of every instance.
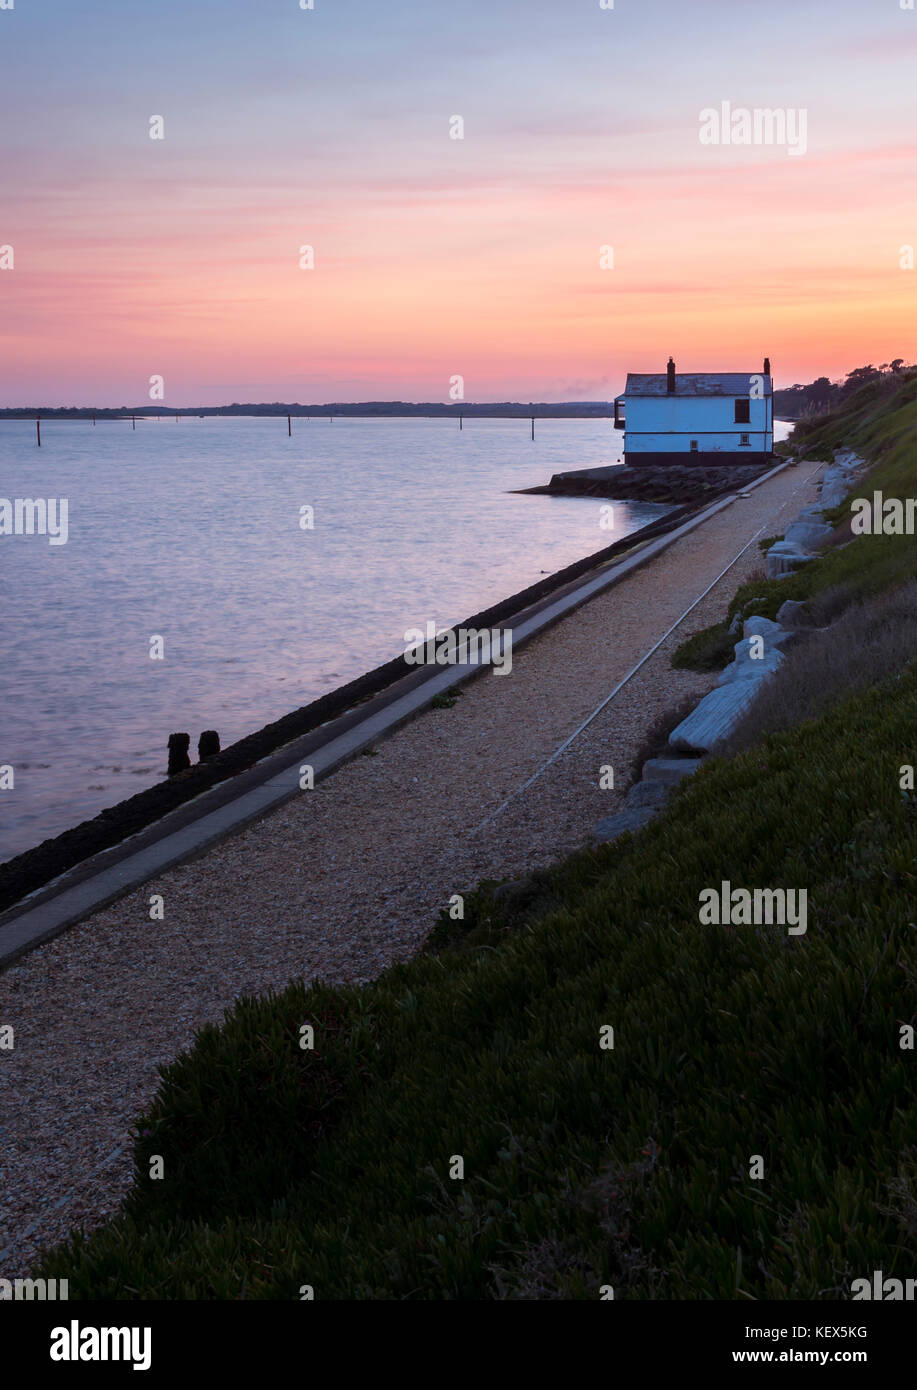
(506, 410)
(430, 410)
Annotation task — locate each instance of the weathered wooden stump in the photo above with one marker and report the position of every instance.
(208, 745)
(179, 760)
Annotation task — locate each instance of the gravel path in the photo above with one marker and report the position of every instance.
(344, 880)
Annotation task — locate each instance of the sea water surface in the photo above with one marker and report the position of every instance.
(190, 531)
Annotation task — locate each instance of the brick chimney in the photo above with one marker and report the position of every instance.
(670, 377)
(767, 366)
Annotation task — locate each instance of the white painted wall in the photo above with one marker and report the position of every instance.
(667, 424)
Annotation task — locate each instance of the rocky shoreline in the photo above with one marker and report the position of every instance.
(681, 485)
(707, 729)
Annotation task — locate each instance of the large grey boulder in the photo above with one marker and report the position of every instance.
(671, 770)
(794, 614)
(783, 559)
(708, 726)
(652, 793)
(628, 820)
(772, 633)
(746, 668)
(644, 801)
(808, 535)
(836, 483)
(844, 464)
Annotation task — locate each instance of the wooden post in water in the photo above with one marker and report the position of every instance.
(133, 422)
(460, 422)
(533, 426)
(289, 427)
(38, 428)
(178, 753)
(208, 745)
(93, 419)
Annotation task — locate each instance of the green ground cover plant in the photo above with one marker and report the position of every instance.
(582, 1166)
(883, 429)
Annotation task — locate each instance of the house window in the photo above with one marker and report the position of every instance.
(744, 441)
(743, 412)
(693, 446)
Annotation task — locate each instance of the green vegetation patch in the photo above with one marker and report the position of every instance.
(446, 699)
(883, 429)
(331, 1167)
(870, 642)
(711, 649)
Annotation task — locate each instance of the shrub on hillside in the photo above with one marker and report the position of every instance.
(243, 1081)
(869, 642)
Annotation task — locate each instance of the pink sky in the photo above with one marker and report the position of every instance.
(437, 257)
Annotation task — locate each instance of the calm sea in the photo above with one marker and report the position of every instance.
(191, 532)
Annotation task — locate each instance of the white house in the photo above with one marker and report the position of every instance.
(704, 417)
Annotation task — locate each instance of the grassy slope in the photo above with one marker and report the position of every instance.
(881, 424)
(582, 1166)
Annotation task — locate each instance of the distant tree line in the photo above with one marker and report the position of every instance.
(468, 409)
(798, 402)
(790, 403)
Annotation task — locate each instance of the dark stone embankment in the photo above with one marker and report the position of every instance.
(691, 484)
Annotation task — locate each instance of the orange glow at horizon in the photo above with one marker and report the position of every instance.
(478, 258)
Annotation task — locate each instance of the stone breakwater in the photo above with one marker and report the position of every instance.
(684, 484)
(759, 653)
(758, 656)
(810, 532)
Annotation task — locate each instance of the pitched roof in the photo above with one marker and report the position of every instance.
(694, 384)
